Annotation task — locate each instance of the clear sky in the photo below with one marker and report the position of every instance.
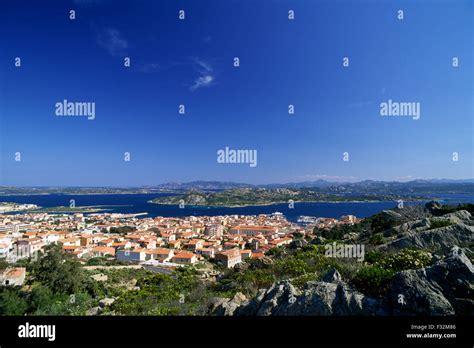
(190, 62)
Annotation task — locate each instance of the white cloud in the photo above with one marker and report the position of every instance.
(112, 41)
(202, 81)
(206, 77)
(326, 177)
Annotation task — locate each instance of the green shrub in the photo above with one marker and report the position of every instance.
(377, 239)
(406, 259)
(373, 280)
(374, 256)
(439, 223)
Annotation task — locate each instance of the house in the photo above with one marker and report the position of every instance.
(13, 276)
(280, 242)
(195, 244)
(257, 255)
(214, 230)
(161, 254)
(69, 249)
(253, 230)
(229, 258)
(207, 251)
(99, 251)
(106, 242)
(175, 244)
(245, 254)
(348, 219)
(28, 247)
(131, 255)
(168, 236)
(185, 257)
(86, 240)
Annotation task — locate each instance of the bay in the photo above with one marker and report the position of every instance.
(138, 203)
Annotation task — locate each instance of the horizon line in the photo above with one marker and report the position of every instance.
(237, 183)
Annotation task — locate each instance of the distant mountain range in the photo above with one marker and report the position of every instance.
(224, 185)
(366, 187)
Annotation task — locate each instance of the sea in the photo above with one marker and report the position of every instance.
(138, 203)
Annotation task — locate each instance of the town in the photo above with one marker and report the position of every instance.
(164, 242)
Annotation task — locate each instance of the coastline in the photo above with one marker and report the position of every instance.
(283, 202)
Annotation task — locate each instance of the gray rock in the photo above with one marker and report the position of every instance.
(411, 293)
(215, 303)
(228, 308)
(445, 288)
(93, 311)
(438, 239)
(454, 275)
(106, 302)
(333, 276)
(251, 306)
(317, 298)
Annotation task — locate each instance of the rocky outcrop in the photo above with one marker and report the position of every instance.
(330, 297)
(446, 288)
(228, 307)
(409, 213)
(420, 234)
(413, 294)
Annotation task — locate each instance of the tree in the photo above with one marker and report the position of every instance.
(11, 303)
(58, 271)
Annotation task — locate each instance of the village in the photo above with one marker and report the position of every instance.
(166, 242)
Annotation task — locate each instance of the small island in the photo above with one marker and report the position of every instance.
(66, 209)
(242, 197)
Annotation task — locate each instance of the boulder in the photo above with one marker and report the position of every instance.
(317, 298)
(228, 308)
(411, 293)
(93, 311)
(333, 276)
(445, 288)
(442, 238)
(105, 302)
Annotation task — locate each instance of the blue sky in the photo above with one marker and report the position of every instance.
(190, 62)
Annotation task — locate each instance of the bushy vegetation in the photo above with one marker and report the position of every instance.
(377, 239)
(439, 223)
(374, 278)
(57, 286)
(406, 259)
(380, 223)
(338, 231)
(181, 293)
(307, 263)
(105, 261)
(121, 229)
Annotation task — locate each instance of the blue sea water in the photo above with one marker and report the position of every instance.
(138, 203)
